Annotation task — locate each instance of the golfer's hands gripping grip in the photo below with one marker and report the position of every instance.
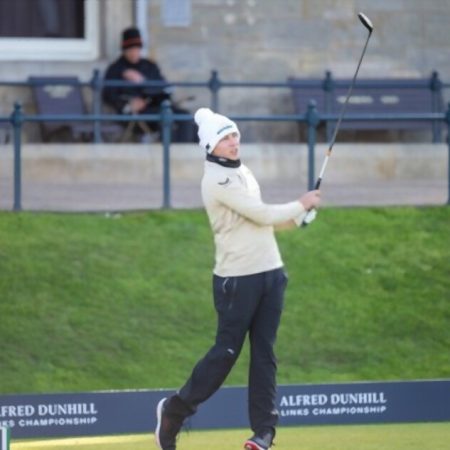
(310, 201)
(310, 216)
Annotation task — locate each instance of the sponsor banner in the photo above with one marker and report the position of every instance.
(364, 403)
(77, 414)
(128, 412)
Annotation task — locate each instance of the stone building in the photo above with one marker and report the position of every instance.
(244, 40)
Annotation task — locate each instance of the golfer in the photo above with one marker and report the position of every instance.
(248, 285)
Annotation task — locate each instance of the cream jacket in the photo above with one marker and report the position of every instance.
(243, 225)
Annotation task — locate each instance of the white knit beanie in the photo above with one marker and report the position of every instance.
(212, 128)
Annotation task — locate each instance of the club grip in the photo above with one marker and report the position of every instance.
(305, 222)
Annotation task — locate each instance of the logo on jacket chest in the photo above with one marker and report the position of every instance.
(224, 183)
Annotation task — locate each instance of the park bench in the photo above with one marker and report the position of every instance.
(373, 96)
(63, 96)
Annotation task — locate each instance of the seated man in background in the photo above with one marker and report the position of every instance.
(130, 66)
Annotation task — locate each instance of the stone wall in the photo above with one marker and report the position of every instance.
(271, 40)
(267, 40)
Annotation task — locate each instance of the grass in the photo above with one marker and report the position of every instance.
(95, 301)
(434, 436)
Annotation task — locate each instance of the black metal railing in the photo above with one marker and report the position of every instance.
(215, 85)
(312, 117)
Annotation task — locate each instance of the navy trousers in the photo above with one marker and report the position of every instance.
(246, 304)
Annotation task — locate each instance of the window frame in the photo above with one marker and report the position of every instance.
(57, 49)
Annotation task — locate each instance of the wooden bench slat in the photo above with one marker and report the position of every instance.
(400, 95)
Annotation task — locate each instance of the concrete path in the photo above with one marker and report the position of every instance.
(95, 177)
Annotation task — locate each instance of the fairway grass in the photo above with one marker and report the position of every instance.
(422, 436)
(122, 295)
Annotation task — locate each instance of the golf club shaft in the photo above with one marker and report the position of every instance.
(341, 115)
(368, 24)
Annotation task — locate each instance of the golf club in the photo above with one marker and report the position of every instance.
(368, 24)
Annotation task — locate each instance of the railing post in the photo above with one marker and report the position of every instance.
(312, 119)
(166, 127)
(436, 88)
(16, 121)
(447, 119)
(328, 87)
(214, 85)
(97, 85)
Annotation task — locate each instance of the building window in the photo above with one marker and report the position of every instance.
(48, 30)
(42, 19)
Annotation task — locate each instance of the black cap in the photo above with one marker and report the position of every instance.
(131, 37)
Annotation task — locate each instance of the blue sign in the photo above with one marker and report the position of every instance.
(133, 412)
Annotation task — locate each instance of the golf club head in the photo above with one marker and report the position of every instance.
(365, 21)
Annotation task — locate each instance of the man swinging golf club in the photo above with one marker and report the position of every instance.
(248, 284)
